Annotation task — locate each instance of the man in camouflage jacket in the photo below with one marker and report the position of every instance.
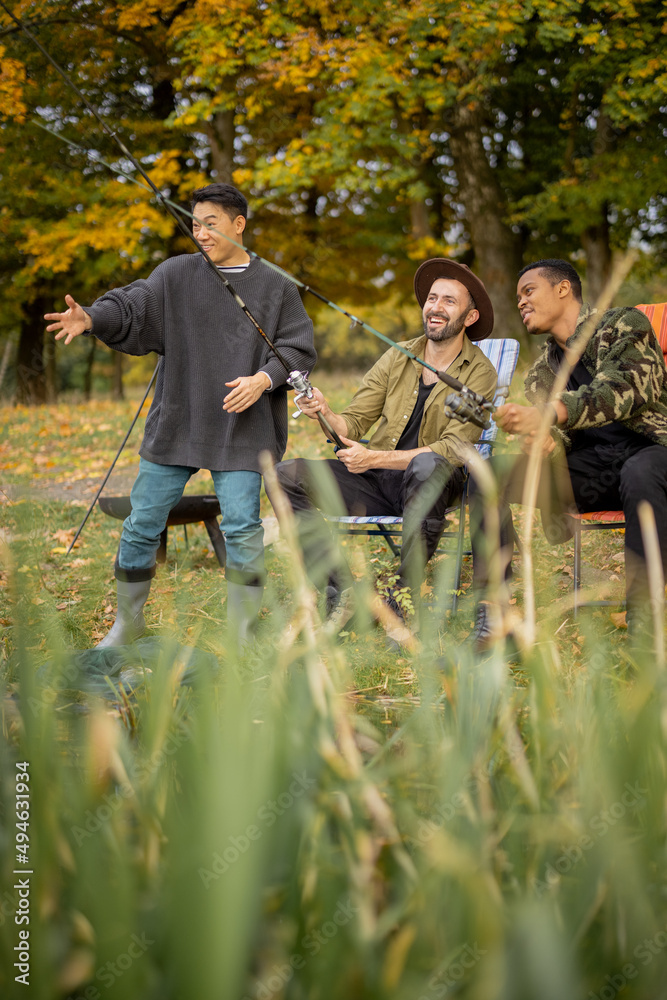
(608, 444)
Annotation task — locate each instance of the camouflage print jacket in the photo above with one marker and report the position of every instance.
(629, 377)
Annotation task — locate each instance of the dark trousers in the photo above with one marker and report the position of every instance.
(607, 477)
(420, 494)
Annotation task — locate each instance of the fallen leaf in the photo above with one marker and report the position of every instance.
(64, 535)
(618, 619)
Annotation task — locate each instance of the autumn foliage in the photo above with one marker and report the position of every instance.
(368, 135)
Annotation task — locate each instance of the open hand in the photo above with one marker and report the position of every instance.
(246, 390)
(71, 323)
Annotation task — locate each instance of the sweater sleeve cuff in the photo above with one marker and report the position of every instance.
(268, 375)
(572, 404)
(275, 371)
(88, 333)
(105, 321)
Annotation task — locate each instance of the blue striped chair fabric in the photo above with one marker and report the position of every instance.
(503, 355)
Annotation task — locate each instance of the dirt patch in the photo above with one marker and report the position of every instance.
(79, 491)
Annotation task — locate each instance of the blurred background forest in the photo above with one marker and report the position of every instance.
(367, 135)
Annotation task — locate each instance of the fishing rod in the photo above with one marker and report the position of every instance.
(470, 406)
(301, 376)
(463, 404)
(296, 379)
(112, 466)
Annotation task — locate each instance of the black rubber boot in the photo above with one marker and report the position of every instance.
(485, 631)
(129, 624)
(243, 604)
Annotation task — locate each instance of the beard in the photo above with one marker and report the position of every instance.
(451, 329)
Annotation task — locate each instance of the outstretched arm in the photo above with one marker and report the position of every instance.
(71, 323)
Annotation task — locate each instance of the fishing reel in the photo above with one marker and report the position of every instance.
(468, 407)
(302, 387)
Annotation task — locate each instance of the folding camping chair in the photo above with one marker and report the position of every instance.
(605, 520)
(503, 355)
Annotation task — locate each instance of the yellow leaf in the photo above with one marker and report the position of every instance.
(618, 618)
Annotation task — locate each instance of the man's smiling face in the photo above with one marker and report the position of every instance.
(540, 303)
(210, 227)
(447, 310)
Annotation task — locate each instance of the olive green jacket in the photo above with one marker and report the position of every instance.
(389, 393)
(629, 377)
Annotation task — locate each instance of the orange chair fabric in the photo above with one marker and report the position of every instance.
(657, 314)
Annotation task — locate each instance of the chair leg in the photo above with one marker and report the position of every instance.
(388, 539)
(459, 551)
(161, 555)
(577, 566)
(217, 540)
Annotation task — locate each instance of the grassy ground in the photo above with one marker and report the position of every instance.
(315, 819)
(53, 459)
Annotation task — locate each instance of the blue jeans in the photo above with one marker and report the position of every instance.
(158, 488)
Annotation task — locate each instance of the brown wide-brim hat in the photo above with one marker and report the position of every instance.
(441, 267)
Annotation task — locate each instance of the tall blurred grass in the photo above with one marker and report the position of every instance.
(257, 834)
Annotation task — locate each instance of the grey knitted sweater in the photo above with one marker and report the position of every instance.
(185, 314)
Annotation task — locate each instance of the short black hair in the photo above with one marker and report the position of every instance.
(555, 270)
(224, 195)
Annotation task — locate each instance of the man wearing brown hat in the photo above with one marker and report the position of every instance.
(412, 466)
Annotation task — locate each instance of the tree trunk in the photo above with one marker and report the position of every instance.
(595, 241)
(595, 238)
(117, 388)
(30, 361)
(220, 131)
(5, 361)
(421, 226)
(88, 373)
(50, 372)
(497, 249)
(420, 223)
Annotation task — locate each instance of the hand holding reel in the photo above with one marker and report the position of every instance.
(302, 387)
